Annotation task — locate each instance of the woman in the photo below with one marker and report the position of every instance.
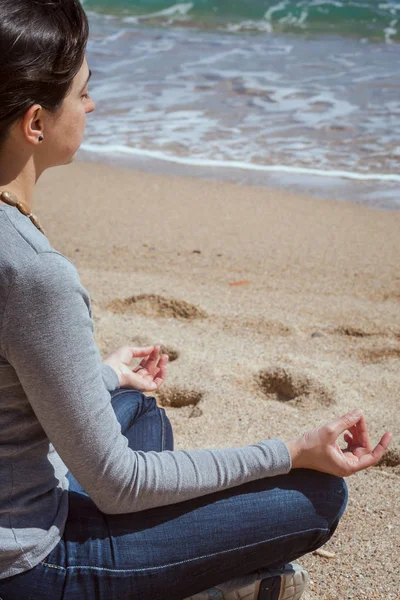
(94, 502)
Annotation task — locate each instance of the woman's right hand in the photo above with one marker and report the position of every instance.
(318, 449)
(147, 376)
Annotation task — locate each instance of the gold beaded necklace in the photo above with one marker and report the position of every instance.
(12, 200)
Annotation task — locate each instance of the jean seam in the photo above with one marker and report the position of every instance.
(188, 560)
(161, 412)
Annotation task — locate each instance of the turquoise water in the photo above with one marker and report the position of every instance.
(370, 19)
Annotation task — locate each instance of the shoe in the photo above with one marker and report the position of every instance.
(287, 583)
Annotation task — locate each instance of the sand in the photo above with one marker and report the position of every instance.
(280, 312)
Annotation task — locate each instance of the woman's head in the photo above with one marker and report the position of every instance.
(42, 62)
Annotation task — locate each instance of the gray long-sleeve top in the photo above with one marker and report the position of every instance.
(56, 413)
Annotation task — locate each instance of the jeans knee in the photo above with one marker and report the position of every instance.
(342, 497)
(132, 406)
(133, 401)
(335, 503)
(327, 493)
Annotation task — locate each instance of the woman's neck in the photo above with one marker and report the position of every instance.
(21, 183)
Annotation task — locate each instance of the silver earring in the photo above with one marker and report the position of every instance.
(40, 138)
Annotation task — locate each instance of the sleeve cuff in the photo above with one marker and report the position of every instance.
(279, 457)
(110, 378)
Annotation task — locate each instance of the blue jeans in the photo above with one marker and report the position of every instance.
(172, 552)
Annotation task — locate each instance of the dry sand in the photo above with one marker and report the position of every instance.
(281, 311)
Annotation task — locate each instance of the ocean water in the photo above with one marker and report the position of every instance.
(298, 94)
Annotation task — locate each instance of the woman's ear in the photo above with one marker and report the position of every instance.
(32, 124)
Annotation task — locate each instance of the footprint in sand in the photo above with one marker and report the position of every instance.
(177, 397)
(294, 387)
(152, 305)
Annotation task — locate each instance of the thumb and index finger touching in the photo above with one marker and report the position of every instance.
(371, 459)
(354, 422)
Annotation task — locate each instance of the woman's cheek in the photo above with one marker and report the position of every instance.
(79, 129)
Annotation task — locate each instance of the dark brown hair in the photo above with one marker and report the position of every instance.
(42, 48)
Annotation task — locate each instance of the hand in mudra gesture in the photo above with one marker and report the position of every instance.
(147, 376)
(318, 449)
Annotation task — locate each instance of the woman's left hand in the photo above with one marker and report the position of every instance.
(147, 376)
(318, 449)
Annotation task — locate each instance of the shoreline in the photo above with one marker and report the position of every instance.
(189, 161)
(365, 190)
(280, 311)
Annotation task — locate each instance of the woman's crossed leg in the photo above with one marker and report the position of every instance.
(172, 552)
